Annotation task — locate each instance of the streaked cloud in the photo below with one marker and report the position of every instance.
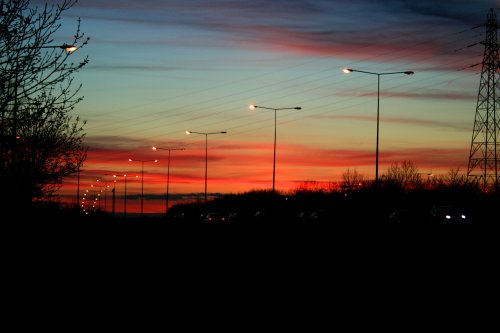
(405, 121)
(343, 29)
(442, 95)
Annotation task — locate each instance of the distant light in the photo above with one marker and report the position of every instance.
(154, 148)
(252, 107)
(130, 160)
(448, 217)
(188, 132)
(347, 70)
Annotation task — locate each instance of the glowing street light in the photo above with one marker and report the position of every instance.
(142, 180)
(106, 186)
(350, 70)
(428, 174)
(168, 171)
(206, 153)
(66, 47)
(253, 107)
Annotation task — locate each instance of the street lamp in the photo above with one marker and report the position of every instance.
(66, 47)
(114, 196)
(106, 186)
(113, 190)
(253, 107)
(142, 179)
(349, 70)
(168, 172)
(428, 174)
(125, 197)
(206, 153)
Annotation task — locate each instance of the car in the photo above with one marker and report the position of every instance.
(322, 215)
(215, 217)
(400, 216)
(448, 214)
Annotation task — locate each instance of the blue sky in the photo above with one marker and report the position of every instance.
(159, 68)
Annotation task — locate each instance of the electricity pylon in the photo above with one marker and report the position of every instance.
(485, 148)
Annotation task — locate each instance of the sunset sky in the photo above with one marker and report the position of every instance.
(158, 68)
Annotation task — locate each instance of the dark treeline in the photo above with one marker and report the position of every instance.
(402, 195)
(364, 206)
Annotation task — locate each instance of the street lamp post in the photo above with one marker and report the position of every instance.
(252, 107)
(206, 154)
(114, 197)
(142, 179)
(168, 172)
(106, 186)
(125, 196)
(99, 194)
(113, 190)
(349, 70)
(78, 185)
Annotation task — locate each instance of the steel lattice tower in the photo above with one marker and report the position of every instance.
(485, 149)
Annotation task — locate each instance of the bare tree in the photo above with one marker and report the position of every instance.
(403, 176)
(41, 141)
(351, 179)
(455, 178)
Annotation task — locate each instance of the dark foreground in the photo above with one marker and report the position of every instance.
(323, 237)
(323, 214)
(200, 216)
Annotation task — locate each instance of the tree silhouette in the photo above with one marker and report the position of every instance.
(402, 175)
(352, 179)
(40, 140)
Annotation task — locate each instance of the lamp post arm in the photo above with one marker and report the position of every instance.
(205, 133)
(276, 109)
(384, 73)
